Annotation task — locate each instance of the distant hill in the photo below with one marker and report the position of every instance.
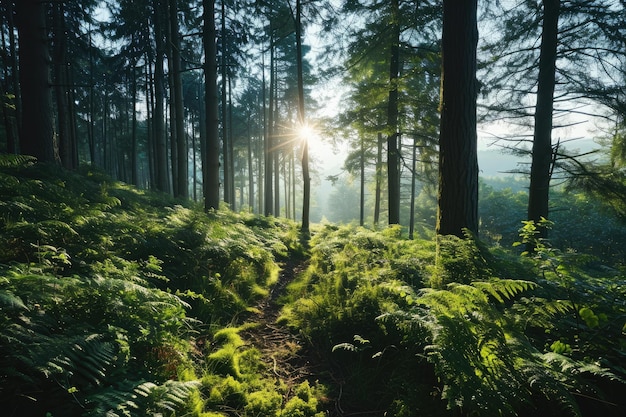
(495, 163)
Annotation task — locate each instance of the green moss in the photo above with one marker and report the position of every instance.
(265, 402)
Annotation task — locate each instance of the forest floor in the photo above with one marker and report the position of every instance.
(283, 351)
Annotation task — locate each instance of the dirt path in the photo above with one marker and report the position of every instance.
(281, 350)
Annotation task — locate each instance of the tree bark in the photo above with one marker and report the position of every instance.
(211, 163)
(36, 135)
(61, 86)
(161, 170)
(458, 163)
(306, 193)
(226, 147)
(413, 181)
(133, 148)
(541, 165)
(8, 107)
(14, 79)
(393, 157)
(250, 166)
(178, 124)
(362, 184)
(268, 150)
(379, 176)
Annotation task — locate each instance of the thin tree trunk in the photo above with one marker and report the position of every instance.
(73, 122)
(61, 85)
(413, 180)
(458, 163)
(178, 124)
(203, 138)
(362, 185)
(269, 191)
(276, 145)
(91, 126)
(541, 166)
(194, 167)
(379, 177)
(151, 145)
(133, 148)
(250, 168)
(162, 183)
(7, 112)
(62, 88)
(306, 180)
(286, 183)
(260, 154)
(231, 145)
(293, 185)
(228, 173)
(15, 78)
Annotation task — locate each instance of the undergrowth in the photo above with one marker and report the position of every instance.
(476, 333)
(116, 301)
(120, 302)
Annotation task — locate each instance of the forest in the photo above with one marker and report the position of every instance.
(281, 208)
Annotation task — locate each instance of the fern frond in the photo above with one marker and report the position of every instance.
(14, 161)
(10, 301)
(504, 289)
(87, 359)
(141, 398)
(569, 366)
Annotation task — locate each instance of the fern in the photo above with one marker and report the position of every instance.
(504, 289)
(16, 161)
(138, 399)
(9, 301)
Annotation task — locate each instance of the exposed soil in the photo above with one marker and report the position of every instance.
(288, 358)
(281, 349)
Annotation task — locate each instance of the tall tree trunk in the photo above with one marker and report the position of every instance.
(413, 180)
(541, 166)
(286, 183)
(8, 107)
(15, 78)
(151, 145)
(61, 88)
(306, 179)
(393, 157)
(178, 124)
(362, 185)
(36, 136)
(211, 163)
(458, 163)
(269, 190)
(250, 167)
(228, 173)
(105, 128)
(72, 114)
(133, 146)
(276, 145)
(161, 171)
(194, 165)
(231, 144)
(170, 122)
(379, 177)
(203, 137)
(293, 185)
(91, 126)
(259, 150)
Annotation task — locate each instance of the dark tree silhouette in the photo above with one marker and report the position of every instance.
(541, 167)
(458, 161)
(36, 135)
